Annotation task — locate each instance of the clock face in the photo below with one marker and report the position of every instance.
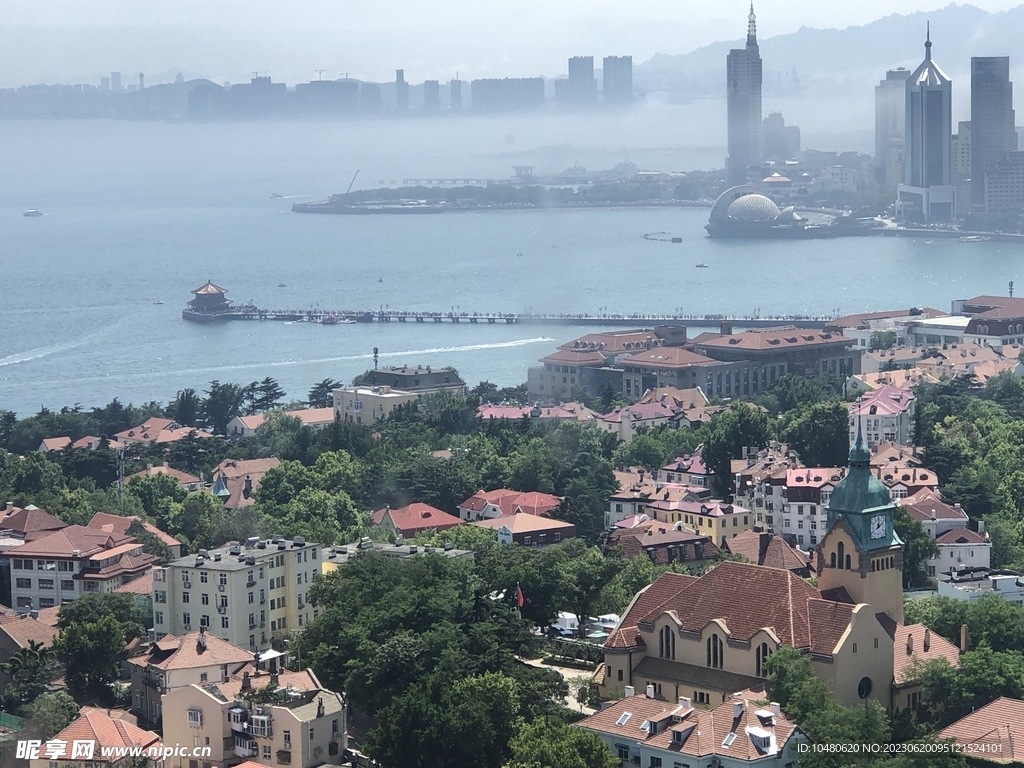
(878, 527)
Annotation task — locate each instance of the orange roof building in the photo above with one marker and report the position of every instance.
(104, 521)
(528, 530)
(103, 732)
(994, 733)
(414, 519)
(484, 505)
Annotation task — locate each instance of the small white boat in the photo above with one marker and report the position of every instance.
(32, 213)
(974, 239)
(702, 265)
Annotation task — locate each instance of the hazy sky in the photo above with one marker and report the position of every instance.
(76, 40)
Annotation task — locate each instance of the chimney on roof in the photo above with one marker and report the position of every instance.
(910, 644)
(9, 507)
(684, 702)
(963, 638)
(981, 526)
(726, 328)
(246, 682)
(273, 680)
(650, 690)
(927, 640)
(775, 708)
(737, 710)
(629, 691)
(247, 487)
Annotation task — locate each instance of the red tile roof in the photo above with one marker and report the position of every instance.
(885, 400)
(415, 518)
(103, 521)
(997, 728)
(574, 357)
(525, 523)
(140, 586)
(611, 343)
(962, 536)
(814, 477)
(512, 502)
(186, 652)
(62, 543)
(627, 633)
(654, 538)
(680, 398)
(182, 477)
(96, 726)
(776, 339)
(915, 642)
(30, 521)
(669, 358)
(692, 465)
(55, 443)
(232, 468)
(21, 629)
(768, 550)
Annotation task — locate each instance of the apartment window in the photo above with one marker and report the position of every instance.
(24, 583)
(854, 647)
(311, 733)
(876, 642)
(252, 598)
(204, 577)
(223, 622)
(24, 602)
(46, 583)
(714, 652)
(655, 762)
(202, 679)
(91, 586)
(67, 585)
(252, 641)
(158, 617)
(205, 599)
(46, 602)
(47, 565)
(526, 542)
(287, 736)
(64, 565)
(204, 621)
(195, 718)
(184, 597)
(558, 535)
(266, 751)
(186, 619)
(184, 576)
(223, 581)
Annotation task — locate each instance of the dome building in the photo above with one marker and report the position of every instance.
(744, 211)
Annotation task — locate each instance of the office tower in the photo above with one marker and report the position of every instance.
(142, 81)
(401, 91)
(369, 98)
(617, 79)
(927, 193)
(992, 129)
(455, 86)
(743, 76)
(890, 126)
(431, 97)
(779, 141)
(104, 83)
(582, 87)
(115, 81)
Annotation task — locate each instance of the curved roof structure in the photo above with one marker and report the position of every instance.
(753, 208)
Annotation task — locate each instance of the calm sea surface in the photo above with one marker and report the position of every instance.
(138, 214)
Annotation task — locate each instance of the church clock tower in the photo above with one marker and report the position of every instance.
(861, 552)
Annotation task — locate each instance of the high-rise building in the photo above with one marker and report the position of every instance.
(779, 141)
(455, 86)
(115, 81)
(743, 77)
(992, 130)
(401, 91)
(927, 193)
(891, 126)
(582, 87)
(617, 79)
(509, 94)
(142, 81)
(431, 97)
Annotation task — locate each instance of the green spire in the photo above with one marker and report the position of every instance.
(859, 454)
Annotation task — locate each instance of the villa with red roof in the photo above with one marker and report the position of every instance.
(246, 426)
(648, 730)
(27, 524)
(103, 521)
(687, 470)
(485, 505)
(625, 421)
(414, 519)
(104, 733)
(528, 530)
(991, 735)
(158, 431)
(887, 414)
(185, 480)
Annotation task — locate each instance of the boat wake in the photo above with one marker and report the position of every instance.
(52, 349)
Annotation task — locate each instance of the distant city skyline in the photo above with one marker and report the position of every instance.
(231, 38)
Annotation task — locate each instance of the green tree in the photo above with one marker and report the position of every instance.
(89, 653)
(584, 574)
(197, 519)
(268, 395)
(47, 715)
(92, 607)
(881, 340)
(918, 546)
(742, 426)
(30, 669)
(156, 493)
(556, 745)
(321, 394)
(186, 407)
(151, 543)
(819, 433)
(223, 402)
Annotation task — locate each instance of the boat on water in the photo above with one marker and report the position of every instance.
(334, 320)
(158, 302)
(702, 265)
(32, 213)
(282, 285)
(974, 239)
(276, 196)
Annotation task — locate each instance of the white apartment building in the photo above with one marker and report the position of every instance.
(251, 595)
(275, 720)
(367, 405)
(961, 548)
(973, 583)
(884, 414)
(71, 562)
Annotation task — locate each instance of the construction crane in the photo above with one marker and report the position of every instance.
(352, 182)
(319, 73)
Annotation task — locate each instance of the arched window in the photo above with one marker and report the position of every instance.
(841, 549)
(763, 652)
(832, 560)
(667, 643)
(715, 654)
(847, 562)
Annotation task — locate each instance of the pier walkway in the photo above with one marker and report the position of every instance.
(350, 317)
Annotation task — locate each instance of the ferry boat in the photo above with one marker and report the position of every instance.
(702, 265)
(32, 212)
(974, 239)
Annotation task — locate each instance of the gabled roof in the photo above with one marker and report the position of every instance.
(885, 400)
(998, 727)
(775, 339)
(693, 465)
(21, 629)
(524, 523)
(814, 477)
(55, 443)
(30, 521)
(182, 477)
(653, 539)
(140, 586)
(915, 642)
(768, 550)
(103, 521)
(669, 358)
(104, 731)
(627, 633)
(63, 543)
(512, 502)
(693, 397)
(926, 504)
(413, 518)
(962, 536)
(188, 652)
(232, 468)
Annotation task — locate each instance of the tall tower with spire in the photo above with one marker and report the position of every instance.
(743, 95)
(927, 193)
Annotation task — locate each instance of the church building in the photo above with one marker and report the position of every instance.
(708, 637)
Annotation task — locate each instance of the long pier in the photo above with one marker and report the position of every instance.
(352, 317)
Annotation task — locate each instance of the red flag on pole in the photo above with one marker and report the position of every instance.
(519, 596)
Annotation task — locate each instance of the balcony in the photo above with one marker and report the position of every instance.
(153, 681)
(251, 583)
(284, 757)
(245, 749)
